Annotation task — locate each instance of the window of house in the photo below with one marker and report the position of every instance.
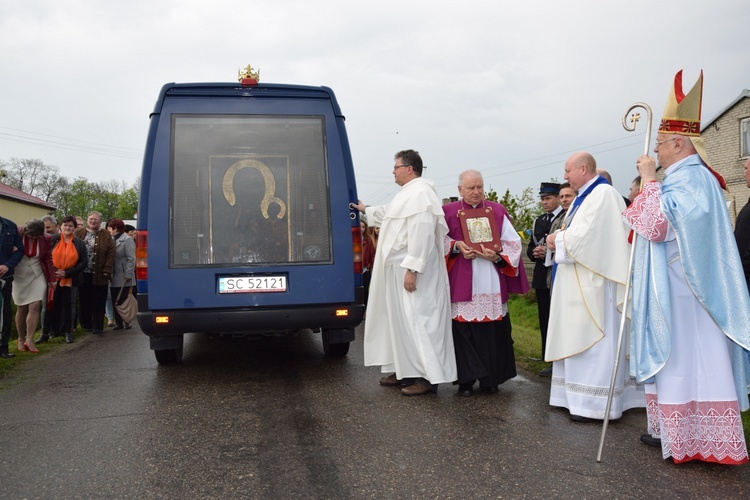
(745, 137)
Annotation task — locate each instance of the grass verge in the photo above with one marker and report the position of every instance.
(9, 365)
(527, 340)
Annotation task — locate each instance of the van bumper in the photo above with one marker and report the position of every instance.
(235, 320)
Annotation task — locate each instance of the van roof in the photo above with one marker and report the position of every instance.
(236, 90)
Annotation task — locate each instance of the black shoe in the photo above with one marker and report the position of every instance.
(466, 389)
(490, 390)
(42, 339)
(68, 338)
(547, 372)
(97, 332)
(7, 355)
(651, 440)
(580, 418)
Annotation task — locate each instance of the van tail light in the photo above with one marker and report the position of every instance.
(141, 255)
(357, 248)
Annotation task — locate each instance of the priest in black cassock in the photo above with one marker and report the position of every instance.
(742, 231)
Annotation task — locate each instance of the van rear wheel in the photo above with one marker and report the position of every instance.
(336, 350)
(167, 349)
(336, 342)
(168, 356)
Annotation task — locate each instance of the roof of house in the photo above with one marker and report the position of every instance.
(14, 194)
(745, 93)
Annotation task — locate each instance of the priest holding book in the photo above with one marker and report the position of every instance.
(484, 266)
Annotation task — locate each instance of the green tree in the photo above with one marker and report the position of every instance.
(522, 209)
(81, 198)
(127, 206)
(108, 198)
(62, 198)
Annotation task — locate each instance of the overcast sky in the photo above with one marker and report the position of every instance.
(508, 88)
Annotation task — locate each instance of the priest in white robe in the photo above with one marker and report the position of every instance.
(592, 254)
(408, 327)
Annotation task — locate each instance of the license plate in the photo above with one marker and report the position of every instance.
(252, 284)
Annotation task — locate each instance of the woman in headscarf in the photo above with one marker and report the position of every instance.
(69, 257)
(32, 277)
(122, 271)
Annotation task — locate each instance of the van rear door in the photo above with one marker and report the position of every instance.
(245, 199)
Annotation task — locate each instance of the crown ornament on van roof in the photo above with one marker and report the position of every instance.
(248, 76)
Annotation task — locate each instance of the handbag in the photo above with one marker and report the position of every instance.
(51, 296)
(128, 308)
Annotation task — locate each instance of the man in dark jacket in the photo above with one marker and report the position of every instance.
(95, 286)
(537, 252)
(742, 231)
(11, 253)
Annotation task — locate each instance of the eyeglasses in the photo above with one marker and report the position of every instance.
(399, 166)
(659, 143)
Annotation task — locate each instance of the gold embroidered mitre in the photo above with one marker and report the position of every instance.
(682, 115)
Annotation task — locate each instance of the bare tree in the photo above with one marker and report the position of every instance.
(113, 198)
(32, 176)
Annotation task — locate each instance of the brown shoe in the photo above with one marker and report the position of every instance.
(390, 380)
(417, 388)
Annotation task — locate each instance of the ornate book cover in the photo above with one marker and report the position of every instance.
(479, 228)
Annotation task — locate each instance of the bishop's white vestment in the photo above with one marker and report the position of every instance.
(691, 316)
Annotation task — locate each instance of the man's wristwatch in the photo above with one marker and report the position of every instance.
(412, 271)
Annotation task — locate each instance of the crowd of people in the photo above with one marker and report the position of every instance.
(437, 310)
(62, 275)
(438, 278)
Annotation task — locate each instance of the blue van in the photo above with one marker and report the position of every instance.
(244, 220)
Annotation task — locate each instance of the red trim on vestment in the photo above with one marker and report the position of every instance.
(710, 458)
(508, 269)
(461, 319)
(684, 127)
(451, 258)
(679, 95)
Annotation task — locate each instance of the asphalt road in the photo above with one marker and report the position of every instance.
(274, 418)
